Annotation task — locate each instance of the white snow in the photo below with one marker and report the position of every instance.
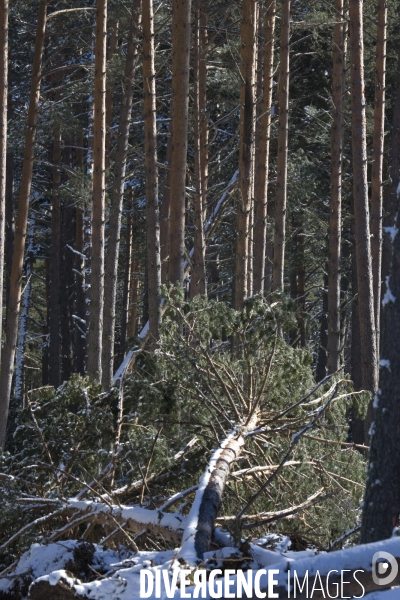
(392, 231)
(388, 297)
(385, 363)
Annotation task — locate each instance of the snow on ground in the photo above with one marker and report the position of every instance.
(118, 573)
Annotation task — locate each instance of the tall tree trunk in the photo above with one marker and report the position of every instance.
(281, 182)
(150, 145)
(110, 90)
(361, 208)
(198, 274)
(246, 147)
(110, 292)
(9, 233)
(99, 191)
(66, 288)
(180, 105)
(391, 200)
(301, 277)
(3, 141)
(263, 140)
(23, 321)
(323, 336)
(335, 212)
(165, 210)
(377, 165)
(8, 353)
(127, 285)
(55, 253)
(381, 506)
(80, 304)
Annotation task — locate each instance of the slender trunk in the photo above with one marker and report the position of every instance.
(361, 208)
(55, 253)
(381, 507)
(391, 200)
(150, 144)
(281, 182)
(9, 234)
(8, 353)
(198, 275)
(301, 291)
(377, 165)
(110, 90)
(110, 292)
(99, 191)
(3, 141)
(125, 294)
(262, 166)
(164, 212)
(66, 288)
(80, 304)
(23, 321)
(133, 297)
(335, 212)
(246, 148)
(180, 105)
(323, 335)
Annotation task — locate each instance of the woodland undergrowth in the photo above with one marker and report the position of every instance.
(78, 456)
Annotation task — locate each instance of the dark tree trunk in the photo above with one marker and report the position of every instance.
(99, 192)
(335, 213)
(361, 208)
(180, 104)
(281, 183)
(13, 310)
(150, 142)
(262, 163)
(55, 253)
(110, 291)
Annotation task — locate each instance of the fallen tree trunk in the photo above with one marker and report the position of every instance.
(203, 513)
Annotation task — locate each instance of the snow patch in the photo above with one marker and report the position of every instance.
(388, 297)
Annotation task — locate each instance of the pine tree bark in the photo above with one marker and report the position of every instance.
(381, 506)
(3, 142)
(377, 165)
(150, 144)
(98, 209)
(391, 199)
(281, 182)
(113, 243)
(8, 353)
(126, 288)
(79, 295)
(23, 321)
(55, 254)
(361, 208)
(198, 274)
(246, 148)
(110, 90)
(9, 233)
(335, 212)
(165, 211)
(263, 141)
(66, 288)
(181, 10)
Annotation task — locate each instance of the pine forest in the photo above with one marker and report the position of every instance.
(199, 299)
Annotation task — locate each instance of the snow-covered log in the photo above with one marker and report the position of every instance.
(133, 518)
(204, 510)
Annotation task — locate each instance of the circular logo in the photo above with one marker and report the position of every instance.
(382, 563)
